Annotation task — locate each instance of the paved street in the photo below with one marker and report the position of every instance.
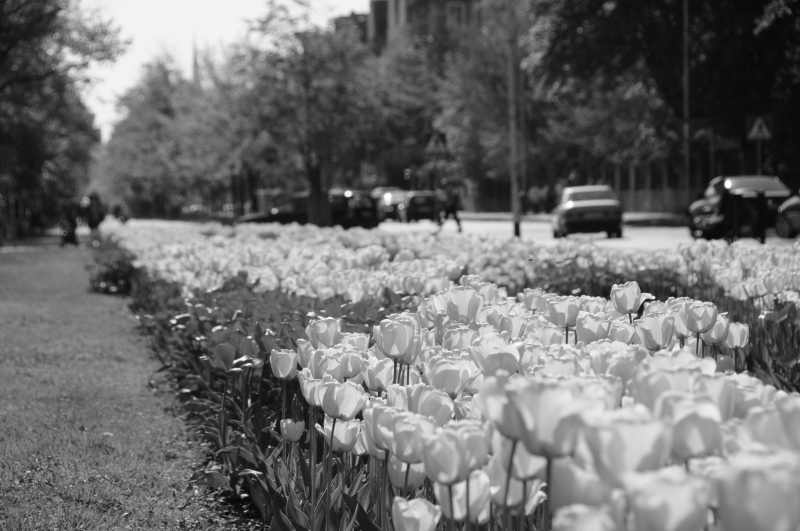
(642, 238)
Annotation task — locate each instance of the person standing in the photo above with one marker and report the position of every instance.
(94, 215)
(452, 204)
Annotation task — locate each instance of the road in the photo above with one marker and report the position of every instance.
(640, 238)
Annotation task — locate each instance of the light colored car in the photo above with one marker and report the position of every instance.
(592, 208)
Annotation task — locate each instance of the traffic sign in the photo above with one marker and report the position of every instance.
(759, 131)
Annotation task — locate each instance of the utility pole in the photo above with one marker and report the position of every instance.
(513, 115)
(687, 178)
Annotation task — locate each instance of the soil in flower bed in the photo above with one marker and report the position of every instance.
(89, 434)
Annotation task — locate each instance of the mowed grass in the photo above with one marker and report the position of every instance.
(88, 436)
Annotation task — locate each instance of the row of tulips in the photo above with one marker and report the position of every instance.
(507, 428)
(653, 424)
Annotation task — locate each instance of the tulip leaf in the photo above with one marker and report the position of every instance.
(361, 518)
(280, 523)
(295, 512)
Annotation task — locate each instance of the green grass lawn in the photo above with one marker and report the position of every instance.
(89, 438)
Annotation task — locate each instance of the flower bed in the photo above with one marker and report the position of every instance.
(368, 383)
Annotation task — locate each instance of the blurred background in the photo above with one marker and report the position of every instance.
(216, 110)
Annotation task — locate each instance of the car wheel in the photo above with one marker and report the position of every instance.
(783, 227)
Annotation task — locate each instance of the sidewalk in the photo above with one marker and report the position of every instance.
(634, 219)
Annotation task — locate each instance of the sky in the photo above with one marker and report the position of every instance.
(158, 26)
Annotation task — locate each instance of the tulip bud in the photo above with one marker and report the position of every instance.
(700, 316)
(461, 304)
(429, 401)
(458, 337)
(718, 333)
(563, 312)
(292, 431)
(396, 337)
(655, 330)
(476, 506)
(283, 363)
(410, 431)
(304, 351)
(401, 481)
(449, 375)
(368, 434)
(622, 332)
(341, 437)
(695, 424)
(738, 335)
(342, 401)
(445, 458)
(415, 515)
(628, 297)
(377, 373)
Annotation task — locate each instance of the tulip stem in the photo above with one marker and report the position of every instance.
(394, 373)
(548, 513)
(312, 433)
(506, 511)
(451, 523)
(223, 429)
(468, 521)
(384, 481)
(283, 399)
(328, 478)
(697, 346)
(630, 318)
(405, 481)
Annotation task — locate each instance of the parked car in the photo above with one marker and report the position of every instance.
(787, 220)
(419, 204)
(388, 199)
(739, 194)
(588, 209)
(349, 208)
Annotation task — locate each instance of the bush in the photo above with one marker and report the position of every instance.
(112, 270)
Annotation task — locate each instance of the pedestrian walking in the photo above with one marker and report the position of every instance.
(452, 204)
(94, 214)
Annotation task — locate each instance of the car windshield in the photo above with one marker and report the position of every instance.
(589, 195)
(768, 184)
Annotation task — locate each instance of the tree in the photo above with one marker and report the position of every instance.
(45, 50)
(743, 57)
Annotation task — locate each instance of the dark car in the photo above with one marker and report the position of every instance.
(388, 200)
(734, 206)
(349, 208)
(418, 205)
(787, 221)
(588, 209)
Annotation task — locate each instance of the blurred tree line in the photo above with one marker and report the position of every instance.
(47, 134)
(296, 106)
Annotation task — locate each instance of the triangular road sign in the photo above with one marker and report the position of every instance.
(437, 146)
(759, 131)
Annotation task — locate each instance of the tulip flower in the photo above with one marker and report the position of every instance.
(461, 304)
(324, 333)
(622, 332)
(494, 404)
(563, 312)
(655, 330)
(738, 335)
(410, 431)
(626, 440)
(593, 305)
(721, 390)
(647, 387)
(415, 515)
(700, 316)
(283, 363)
(342, 401)
(359, 342)
(590, 328)
(304, 351)
(476, 443)
(759, 492)
(405, 476)
(310, 387)
(514, 325)
(680, 329)
(515, 458)
(292, 431)
(476, 507)
(628, 297)
(450, 375)
(397, 396)
(573, 484)
(765, 425)
(493, 353)
(429, 401)
(550, 415)
(718, 333)
(788, 408)
(585, 518)
(377, 373)
(695, 424)
(326, 362)
(458, 337)
(351, 364)
(367, 436)
(445, 457)
(669, 499)
(341, 437)
(397, 337)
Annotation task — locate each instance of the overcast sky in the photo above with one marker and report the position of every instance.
(155, 26)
